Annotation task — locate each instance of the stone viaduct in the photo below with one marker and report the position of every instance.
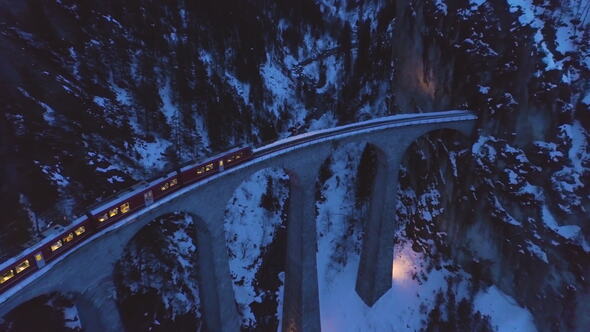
(87, 271)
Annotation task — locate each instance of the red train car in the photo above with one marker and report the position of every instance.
(36, 257)
(115, 210)
(193, 173)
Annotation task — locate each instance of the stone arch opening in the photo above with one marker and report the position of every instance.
(255, 226)
(48, 312)
(429, 180)
(430, 195)
(159, 275)
(370, 277)
(344, 191)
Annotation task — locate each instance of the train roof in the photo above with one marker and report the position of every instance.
(217, 156)
(128, 194)
(154, 181)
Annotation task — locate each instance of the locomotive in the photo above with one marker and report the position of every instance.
(113, 211)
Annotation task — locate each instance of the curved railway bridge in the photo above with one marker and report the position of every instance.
(87, 269)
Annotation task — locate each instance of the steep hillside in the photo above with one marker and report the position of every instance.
(101, 94)
(97, 95)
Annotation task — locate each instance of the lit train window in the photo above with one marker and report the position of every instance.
(68, 237)
(173, 182)
(102, 218)
(56, 245)
(6, 276)
(221, 163)
(125, 207)
(80, 230)
(201, 170)
(38, 257)
(238, 156)
(22, 266)
(165, 186)
(209, 167)
(113, 212)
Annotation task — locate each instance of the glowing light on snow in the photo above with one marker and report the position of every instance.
(402, 268)
(328, 325)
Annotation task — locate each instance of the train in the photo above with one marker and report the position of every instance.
(114, 211)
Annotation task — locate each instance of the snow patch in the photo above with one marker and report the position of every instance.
(568, 232)
(505, 314)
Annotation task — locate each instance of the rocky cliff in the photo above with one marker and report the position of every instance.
(100, 94)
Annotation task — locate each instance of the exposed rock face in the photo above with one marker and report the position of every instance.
(513, 205)
(98, 94)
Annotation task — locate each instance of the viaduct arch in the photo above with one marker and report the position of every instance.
(88, 270)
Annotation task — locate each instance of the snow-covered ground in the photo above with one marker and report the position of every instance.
(506, 315)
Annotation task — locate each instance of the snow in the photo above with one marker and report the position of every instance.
(551, 148)
(122, 95)
(429, 204)
(484, 152)
(151, 156)
(339, 234)
(335, 214)
(528, 11)
(568, 232)
(568, 181)
(76, 64)
(352, 16)
(54, 173)
(501, 213)
(535, 249)
(531, 17)
(100, 101)
(513, 178)
(201, 131)
(405, 305)
(333, 68)
(242, 89)
(476, 3)
(505, 314)
(441, 6)
(71, 318)
(564, 43)
(168, 108)
(112, 20)
(278, 84)
(453, 160)
(484, 89)
(49, 114)
(579, 145)
(327, 120)
(115, 179)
